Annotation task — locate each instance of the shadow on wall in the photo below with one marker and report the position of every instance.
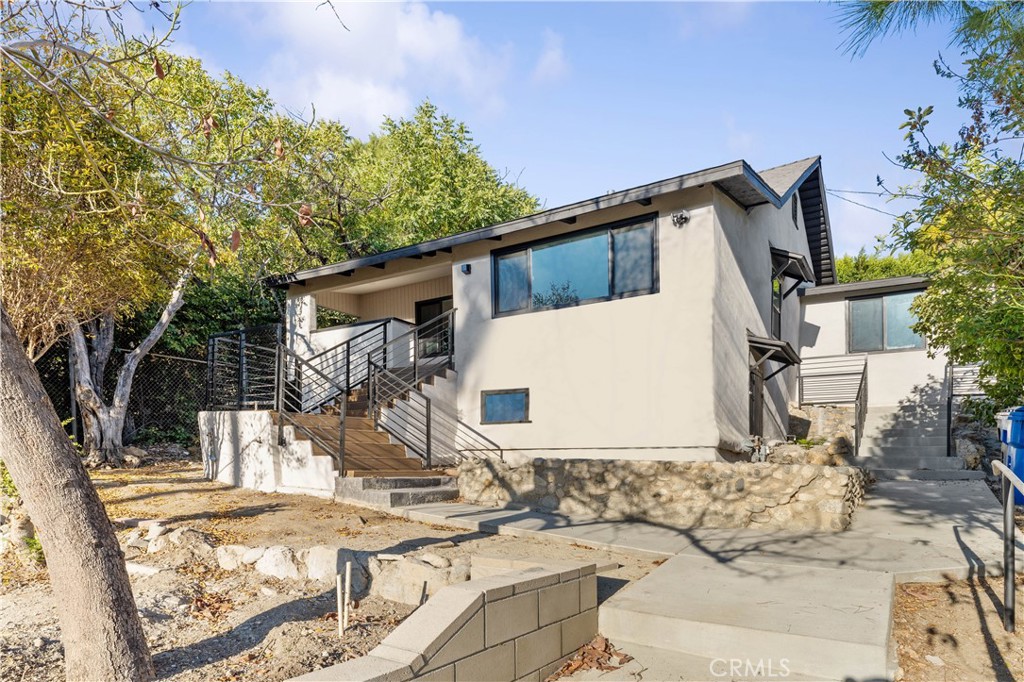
(229, 445)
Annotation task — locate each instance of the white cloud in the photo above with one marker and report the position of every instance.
(391, 56)
(552, 65)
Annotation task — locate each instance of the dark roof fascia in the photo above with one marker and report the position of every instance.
(890, 284)
(828, 221)
(562, 213)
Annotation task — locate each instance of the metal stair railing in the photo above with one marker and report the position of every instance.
(345, 363)
(299, 384)
(1010, 482)
(962, 381)
(420, 353)
(241, 368)
(837, 380)
(410, 416)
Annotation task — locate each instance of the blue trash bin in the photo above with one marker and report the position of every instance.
(1011, 435)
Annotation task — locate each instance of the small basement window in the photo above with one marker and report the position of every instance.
(882, 323)
(510, 406)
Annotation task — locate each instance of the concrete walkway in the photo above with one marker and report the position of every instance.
(820, 601)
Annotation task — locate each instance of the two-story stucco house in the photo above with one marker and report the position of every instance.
(661, 322)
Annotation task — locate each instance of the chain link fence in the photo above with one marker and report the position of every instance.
(166, 394)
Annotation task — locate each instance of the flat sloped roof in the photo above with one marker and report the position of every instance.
(736, 179)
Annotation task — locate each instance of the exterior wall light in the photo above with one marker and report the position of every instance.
(680, 218)
(466, 268)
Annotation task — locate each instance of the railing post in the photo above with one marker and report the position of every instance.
(415, 356)
(280, 394)
(348, 366)
(1009, 561)
(451, 341)
(211, 344)
(343, 409)
(241, 367)
(370, 393)
(429, 432)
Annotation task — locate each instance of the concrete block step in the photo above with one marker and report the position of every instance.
(916, 451)
(910, 462)
(652, 663)
(352, 490)
(392, 482)
(699, 606)
(926, 475)
(886, 441)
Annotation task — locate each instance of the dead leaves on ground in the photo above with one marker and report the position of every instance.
(597, 655)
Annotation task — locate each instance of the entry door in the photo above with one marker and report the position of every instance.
(433, 341)
(756, 401)
(428, 310)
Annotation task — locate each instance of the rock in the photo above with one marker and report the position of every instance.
(268, 591)
(435, 560)
(935, 660)
(140, 570)
(253, 555)
(443, 544)
(146, 523)
(156, 544)
(324, 563)
(411, 581)
(191, 539)
(136, 540)
(278, 562)
(38, 642)
(229, 557)
(133, 456)
(155, 531)
(384, 556)
(970, 452)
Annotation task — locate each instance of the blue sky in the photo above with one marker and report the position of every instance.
(575, 99)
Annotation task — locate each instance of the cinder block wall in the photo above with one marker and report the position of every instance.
(520, 625)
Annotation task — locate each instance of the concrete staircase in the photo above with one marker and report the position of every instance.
(393, 491)
(908, 442)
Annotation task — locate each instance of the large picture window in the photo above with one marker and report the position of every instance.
(883, 323)
(600, 264)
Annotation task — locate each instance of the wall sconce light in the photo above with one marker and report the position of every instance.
(466, 268)
(680, 218)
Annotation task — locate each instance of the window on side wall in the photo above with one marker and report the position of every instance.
(598, 264)
(882, 323)
(511, 406)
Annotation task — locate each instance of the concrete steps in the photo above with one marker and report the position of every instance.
(903, 451)
(926, 475)
(824, 623)
(389, 492)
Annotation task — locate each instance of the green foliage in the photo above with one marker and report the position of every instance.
(969, 217)
(980, 409)
(35, 550)
(879, 265)
(7, 488)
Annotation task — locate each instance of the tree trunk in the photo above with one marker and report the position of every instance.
(104, 423)
(101, 631)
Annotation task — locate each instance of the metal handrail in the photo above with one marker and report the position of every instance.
(348, 341)
(284, 355)
(860, 410)
(399, 389)
(443, 322)
(1009, 482)
(968, 377)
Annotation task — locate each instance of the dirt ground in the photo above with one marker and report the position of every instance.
(953, 632)
(204, 623)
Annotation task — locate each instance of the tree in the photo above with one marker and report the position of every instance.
(880, 265)
(969, 217)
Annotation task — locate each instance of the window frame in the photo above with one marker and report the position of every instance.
(885, 324)
(527, 248)
(505, 391)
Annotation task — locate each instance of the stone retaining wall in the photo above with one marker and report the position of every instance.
(519, 625)
(686, 494)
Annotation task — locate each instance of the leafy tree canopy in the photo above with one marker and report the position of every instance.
(969, 217)
(881, 265)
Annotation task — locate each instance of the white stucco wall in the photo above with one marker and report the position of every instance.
(627, 378)
(894, 377)
(240, 449)
(743, 295)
